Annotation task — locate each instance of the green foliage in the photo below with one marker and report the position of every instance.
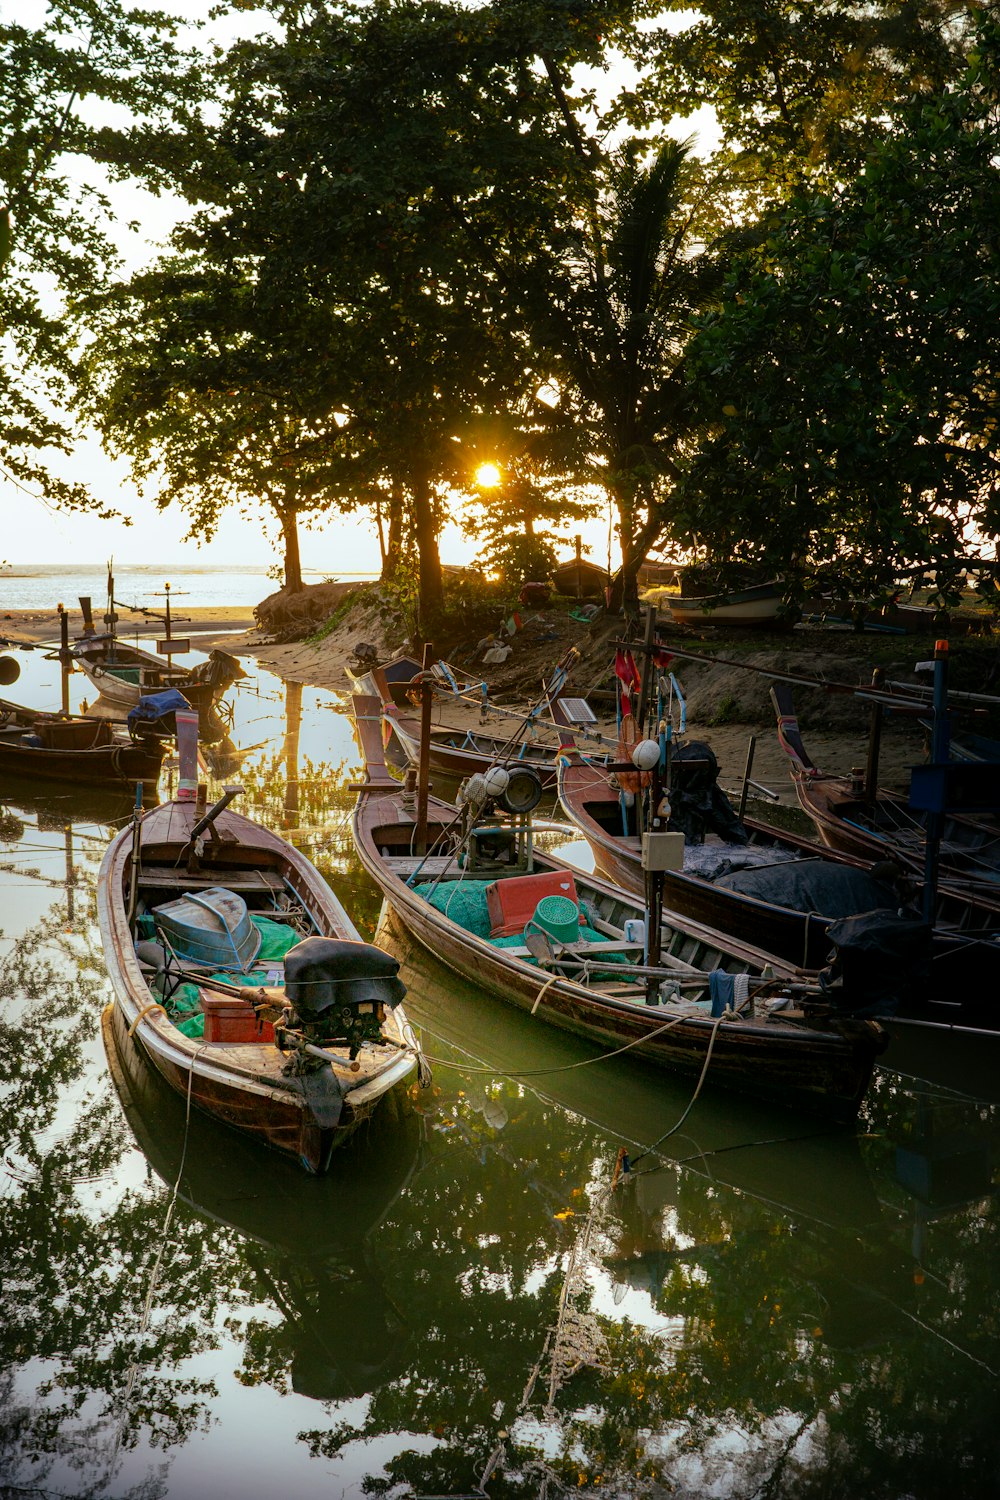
(56, 78)
(849, 367)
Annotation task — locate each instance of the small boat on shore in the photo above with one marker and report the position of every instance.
(253, 994)
(759, 605)
(73, 748)
(479, 920)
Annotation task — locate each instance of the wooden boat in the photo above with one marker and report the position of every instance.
(398, 676)
(808, 1060)
(458, 752)
(592, 805)
(123, 673)
(73, 748)
(228, 1179)
(235, 1071)
(760, 605)
(884, 826)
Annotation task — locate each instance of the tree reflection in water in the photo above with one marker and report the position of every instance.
(785, 1311)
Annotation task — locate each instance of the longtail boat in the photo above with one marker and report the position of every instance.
(717, 885)
(73, 748)
(594, 984)
(880, 825)
(461, 752)
(123, 673)
(239, 974)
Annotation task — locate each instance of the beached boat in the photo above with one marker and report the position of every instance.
(596, 985)
(883, 826)
(760, 605)
(398, 676)
(294, 1038)
(73, 748)
(123, 673)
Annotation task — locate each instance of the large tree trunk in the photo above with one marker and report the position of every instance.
(624, 592)
(393, 551)
(288, 516)
(430, 582)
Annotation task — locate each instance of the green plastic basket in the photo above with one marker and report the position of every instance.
(557, 916)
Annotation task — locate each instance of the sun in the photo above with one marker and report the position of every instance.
(488, 476)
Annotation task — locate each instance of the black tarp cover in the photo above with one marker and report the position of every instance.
(813, 885)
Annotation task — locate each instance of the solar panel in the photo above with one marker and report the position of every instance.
(577, 711)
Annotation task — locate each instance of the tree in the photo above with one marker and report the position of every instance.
(617, 316)
(398, 166)
(208, 395)
(852, 361)
(798, 92)
(54, 246)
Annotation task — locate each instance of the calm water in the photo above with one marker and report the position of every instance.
(767, 1308)
(42, 586)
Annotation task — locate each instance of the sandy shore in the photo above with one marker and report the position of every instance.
(228, 626)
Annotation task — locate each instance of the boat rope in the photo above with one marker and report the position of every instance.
(153, 1005)
(587, 1062)
(132, 1373)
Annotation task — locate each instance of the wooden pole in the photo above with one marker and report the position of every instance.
(874, 742)
(424, 769)
(751, 747)
(65, 660)
(940, 743)
(648, 647)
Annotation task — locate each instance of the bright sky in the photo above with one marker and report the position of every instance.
(35, 532)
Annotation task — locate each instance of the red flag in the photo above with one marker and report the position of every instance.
(626, 670)
(662, 657)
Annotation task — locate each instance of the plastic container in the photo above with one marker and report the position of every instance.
(558, 917)
(511, 903)
(229, 1019)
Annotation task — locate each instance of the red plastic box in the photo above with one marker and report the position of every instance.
(228, 1019)
(511, 903)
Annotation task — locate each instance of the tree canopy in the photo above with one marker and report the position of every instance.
(413, 222)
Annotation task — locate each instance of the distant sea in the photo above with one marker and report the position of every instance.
(44, 585)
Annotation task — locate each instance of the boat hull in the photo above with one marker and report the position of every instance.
(824, 1070)
(240, 1085)
(754, 606)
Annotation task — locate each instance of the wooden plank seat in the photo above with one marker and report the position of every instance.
(233, 880)
(582, 950)
(428, 866)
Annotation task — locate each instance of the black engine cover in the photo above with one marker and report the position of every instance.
(324, 972)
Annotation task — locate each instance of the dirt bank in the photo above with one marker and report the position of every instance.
(725, 702)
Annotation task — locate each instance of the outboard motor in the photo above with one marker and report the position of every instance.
(697, 806)
(878, 958)
(339, 991)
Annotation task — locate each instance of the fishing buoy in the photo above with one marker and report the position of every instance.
(497, 780)
(10, 670)
(646, 754)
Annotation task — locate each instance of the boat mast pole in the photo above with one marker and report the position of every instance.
(940, 740)
(424, 769)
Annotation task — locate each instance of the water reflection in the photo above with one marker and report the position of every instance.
(773, 1309)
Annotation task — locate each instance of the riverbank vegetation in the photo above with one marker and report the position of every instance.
(420, 238)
